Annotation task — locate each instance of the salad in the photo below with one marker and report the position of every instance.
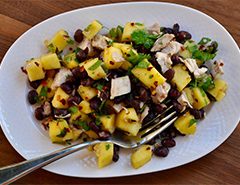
(90, 85)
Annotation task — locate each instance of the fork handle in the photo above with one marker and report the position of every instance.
(13, 172)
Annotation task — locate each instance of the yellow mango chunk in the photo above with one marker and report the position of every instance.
(218, 92)
(112, 57)
(186, 124)
(92, 29)
(108, 122)
(50, 61)
(87, 93)
(200, 98)
(104, 153)
(129, 28)
(34, 70)
(69, 61)
(84, 107)
(141, 156)
(60, 99)
(94, 69)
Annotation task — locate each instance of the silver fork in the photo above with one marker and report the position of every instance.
(149, 130)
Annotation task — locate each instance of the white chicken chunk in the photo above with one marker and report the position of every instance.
(154, 29)
(117, 57)
(172, 48)
(46, 108)
(144, 113)
(164, 61)
(217, 68)
(183, 100)
(60, 77)
(120, 86)
(162, 42)
(86, 44)
(99, 42)
(161, 92)
(192, 66)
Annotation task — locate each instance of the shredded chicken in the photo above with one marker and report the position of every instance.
(60, 77)
(120, 86)
(144, 113)
(154, 29)
(86, 44)
(192, 66)
(183, 100)
(172, 48)
(164, 60)
(99, 42)
(46, 108)
(117, 57)
(161, 92)
(162, 42)
(217, 68)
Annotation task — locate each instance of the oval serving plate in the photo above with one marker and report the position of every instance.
(30, 140)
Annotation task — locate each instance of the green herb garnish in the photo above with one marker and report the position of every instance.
(116, 33)
(139, 24)
(73, 109)
(95, 65)
(70, 41)
(191, 122)
(143, 64)
(141, 37)
(82, 124)
(63, 132)
(43, 91)
(150, 76)
(108, 146)
(51, 48)
(204, 41)
(135, 57)
(97, 121)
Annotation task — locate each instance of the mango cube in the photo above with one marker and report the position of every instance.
(34, 70)
(50, 61)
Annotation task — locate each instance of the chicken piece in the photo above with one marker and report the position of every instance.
(172, 48)
(47, 108)
(164, 60)
(61, 77)
(117, 57)
(217, 68)
(154, 29)
(162, 42)
(86, 44)
(161, 92)
(183, 100)
(144, 113)
(192, 66)
(120, 86)
(100, 42)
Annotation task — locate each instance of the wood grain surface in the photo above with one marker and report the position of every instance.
(221, 166)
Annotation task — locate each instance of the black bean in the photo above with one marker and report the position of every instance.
(39, 113)
(198, 114)
(134, 103)
(60, 112)
(176, 28)
(175, 59)
(115, 157)
(82, 55)
(174, 93)
(78, 35)
(144, 94)
(67, 87)
(158, 108)
(35, 84)
(178, 107)
(119, 99)
(161, 151)
(167, 30)
(104, 95)
(108, 108)
(51, 73)
(74, 100)
(32, 97)
(152, 141)
(169, 74)
(94, 127)
(79, 73)
(116, 148)
(168, 142)
(87, 82)
(95, 103)
(104, 135)
(182, 36)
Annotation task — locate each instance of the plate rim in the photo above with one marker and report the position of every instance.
(3, 124)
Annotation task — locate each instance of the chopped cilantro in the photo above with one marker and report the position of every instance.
(143, 107)
(203, 56)
(191, 122)
(150, 76)
(139, 24)
(108, 146)
(204, 41)
(73, 109)
(82, 124)
(95, 65)
(43, 91)
(99, 86)
(63, 132)
(77, 50)
(97, 121)
(206, 83)
(51, 48)
(70, 41)
(141, 37)
(116, 33)
(102, 105)
(143, 64)
(135, 57)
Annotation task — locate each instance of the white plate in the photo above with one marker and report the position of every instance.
(27, 137)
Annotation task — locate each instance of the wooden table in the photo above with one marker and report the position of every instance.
(220, 166)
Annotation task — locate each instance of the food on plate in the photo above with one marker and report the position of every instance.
(91, 85)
